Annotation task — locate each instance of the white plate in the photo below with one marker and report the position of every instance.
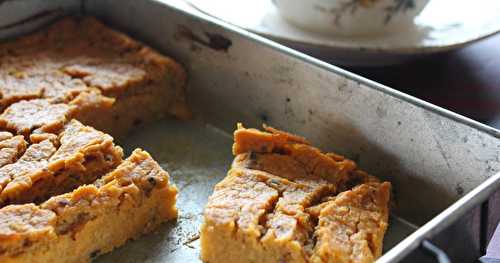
(443, 25)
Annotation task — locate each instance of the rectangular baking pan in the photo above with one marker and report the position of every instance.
(443, 166)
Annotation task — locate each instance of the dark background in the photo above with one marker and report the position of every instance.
(466, 81)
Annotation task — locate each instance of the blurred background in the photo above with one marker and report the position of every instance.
(466, 81)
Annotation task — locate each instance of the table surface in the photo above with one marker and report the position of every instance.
(466, 81)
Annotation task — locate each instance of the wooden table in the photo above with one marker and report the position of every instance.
(466, 81)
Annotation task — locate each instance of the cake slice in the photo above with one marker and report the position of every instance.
(93, 219)
(24, 179)
(114, 82)
(38, 116)
(62, 153)
(351, 227)
(11, 147)
(278, 201)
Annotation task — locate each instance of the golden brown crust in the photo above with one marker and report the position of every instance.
(79, 142)
(74, 54)
(23, 225)
(331, 167)
(56, 164)
(64, 72)
(11, 148)
(17, 179)
(351, 228)
(240, 200)
(25, 116)
(91, 100)
(128, 196)
(276, 203)
(79, 69)
(107, 77)
(39, 137)
(79, 56)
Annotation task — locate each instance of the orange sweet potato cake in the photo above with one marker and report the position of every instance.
(62, 177)
(75, 227)
(285, 201)
(100, 74)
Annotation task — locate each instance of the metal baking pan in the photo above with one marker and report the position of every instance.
(443, 166)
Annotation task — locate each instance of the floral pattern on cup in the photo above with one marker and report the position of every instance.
(351, 7)
(351, 17)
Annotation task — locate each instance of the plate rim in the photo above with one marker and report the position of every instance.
(357, 46)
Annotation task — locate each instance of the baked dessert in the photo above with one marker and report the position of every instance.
(285, 201)
(62, 179)
(58, 164)
(79, 61)
(93, 219)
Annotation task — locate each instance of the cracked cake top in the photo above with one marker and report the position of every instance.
(286, 196)
(56, 64)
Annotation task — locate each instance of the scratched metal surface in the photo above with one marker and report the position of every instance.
(431, 156)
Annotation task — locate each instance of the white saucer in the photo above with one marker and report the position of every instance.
(443, 25)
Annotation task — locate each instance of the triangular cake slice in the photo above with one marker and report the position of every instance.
(351, 227)
(91, 220)
(59, 158)
(279, 200)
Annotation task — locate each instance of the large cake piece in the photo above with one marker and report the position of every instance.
(286, 201)
(93, 219)
(114, 81)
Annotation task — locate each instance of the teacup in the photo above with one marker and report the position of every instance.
(351, 17)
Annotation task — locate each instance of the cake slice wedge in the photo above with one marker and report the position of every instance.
(351, 227)
(282, 202)
(11, 147)
(91, 220)
(58, 163)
